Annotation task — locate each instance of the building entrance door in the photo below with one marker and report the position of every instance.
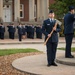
(7, 17)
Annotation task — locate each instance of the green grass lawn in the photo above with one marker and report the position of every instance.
(14, 51)
(73, 49)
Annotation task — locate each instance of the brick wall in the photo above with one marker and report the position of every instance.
(51, 1)
(26, 10)
(13, 10)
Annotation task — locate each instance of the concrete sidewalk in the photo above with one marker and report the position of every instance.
(37, 65)
(29, 41)
(24, 41)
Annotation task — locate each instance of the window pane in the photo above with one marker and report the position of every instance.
(21, 11)
(21, 7)
(21, 14)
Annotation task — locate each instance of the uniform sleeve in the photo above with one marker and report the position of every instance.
(58, 29)
(17, 27)
(44, 29)
(8, 26)
(4, 29)
(73, 17)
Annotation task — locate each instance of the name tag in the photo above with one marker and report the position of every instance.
(2, 26)
(48, 24)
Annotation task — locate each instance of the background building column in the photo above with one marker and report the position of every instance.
(45, 8)
(1, 10)
(38, 10)
(16, 10)
(31, 10)
(42, 9)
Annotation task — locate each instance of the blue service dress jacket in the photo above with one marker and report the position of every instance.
(24, 29)
(11, 29)
(68, 23)
(2, 29)
(20, 29)
(38, 29)
(47, 28)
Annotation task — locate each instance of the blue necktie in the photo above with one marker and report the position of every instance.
(51, 20)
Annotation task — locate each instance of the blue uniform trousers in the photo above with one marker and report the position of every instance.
(51, 51)
(68, 38)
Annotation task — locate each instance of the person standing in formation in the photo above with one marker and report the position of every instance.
(11, 30)
(48, 26)
(20, 31)
(24, 31)
(2, 31)
(38, 31)
(69, 19)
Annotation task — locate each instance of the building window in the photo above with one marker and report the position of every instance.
(21, 11)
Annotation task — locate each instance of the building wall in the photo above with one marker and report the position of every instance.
(51, 1)
(13, 10)
(36, 9)
(26, 10)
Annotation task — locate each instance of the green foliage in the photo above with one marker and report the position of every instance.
(14, 51)
(61, 33)
(61, 7)
(72, 49)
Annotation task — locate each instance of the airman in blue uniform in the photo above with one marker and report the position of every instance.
(11, 30)
(28, 30)
(69, 19)
(20, 31)
(32, 31)
(38, 31)
(48, 26)
(2, 31)
(24, 31)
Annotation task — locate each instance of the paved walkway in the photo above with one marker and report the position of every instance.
(37, 64)
(29, 41)
(24, 41)
(66, 61)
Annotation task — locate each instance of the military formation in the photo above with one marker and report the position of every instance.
(50, 29)
(23, 31)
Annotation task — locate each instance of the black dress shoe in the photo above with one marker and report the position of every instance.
(54, 64)
(70, 56)
(49, 65)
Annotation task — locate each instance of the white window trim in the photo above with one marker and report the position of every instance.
(22, 10)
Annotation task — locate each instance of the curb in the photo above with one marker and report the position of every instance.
(66, 61)
(24, 71)
(21, 43)
(26, 43)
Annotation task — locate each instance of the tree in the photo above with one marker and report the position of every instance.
(61, 7)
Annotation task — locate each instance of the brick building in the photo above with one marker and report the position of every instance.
(24, 10)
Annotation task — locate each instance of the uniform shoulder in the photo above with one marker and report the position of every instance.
(68, 14)
(46, 20)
